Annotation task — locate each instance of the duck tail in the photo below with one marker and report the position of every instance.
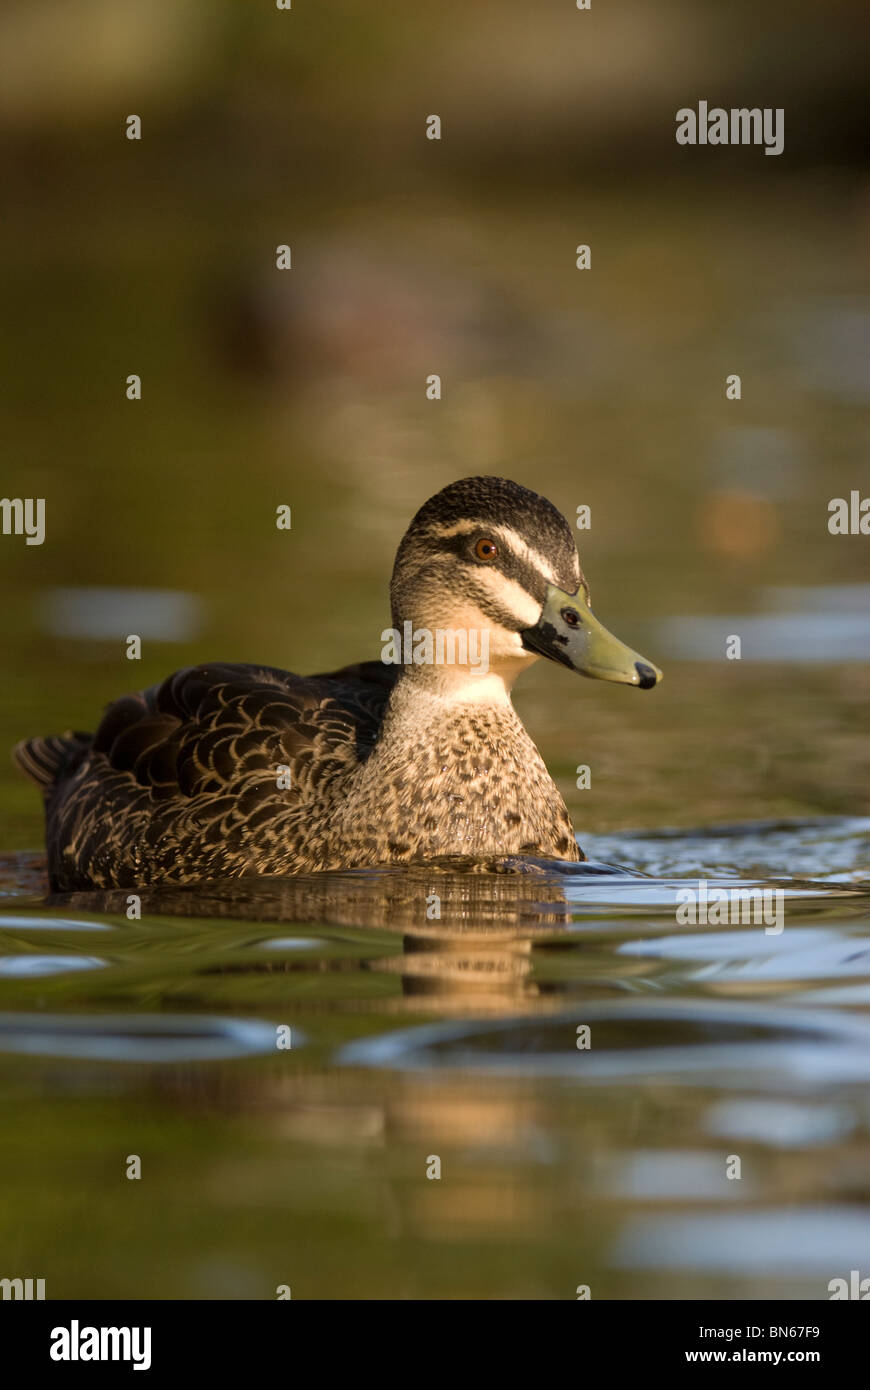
(43, 760)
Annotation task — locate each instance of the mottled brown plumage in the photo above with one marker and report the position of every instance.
(387, 764)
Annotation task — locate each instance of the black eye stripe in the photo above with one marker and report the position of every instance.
(506, 562)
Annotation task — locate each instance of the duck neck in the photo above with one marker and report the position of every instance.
(419, 708)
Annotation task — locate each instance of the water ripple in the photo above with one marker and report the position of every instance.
(29, 967)
(135, 1037)
(699, 1042)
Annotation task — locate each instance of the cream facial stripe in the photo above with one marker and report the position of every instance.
(510, 600)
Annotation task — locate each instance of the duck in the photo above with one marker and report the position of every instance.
(225, 769)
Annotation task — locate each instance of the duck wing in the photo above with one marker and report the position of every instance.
(221, 769)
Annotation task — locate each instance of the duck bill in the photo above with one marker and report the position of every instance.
(568, 632)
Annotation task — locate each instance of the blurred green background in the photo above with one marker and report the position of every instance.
(412, 257)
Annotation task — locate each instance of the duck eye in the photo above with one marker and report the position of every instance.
(486, 550)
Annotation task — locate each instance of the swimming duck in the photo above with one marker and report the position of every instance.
(225, 770)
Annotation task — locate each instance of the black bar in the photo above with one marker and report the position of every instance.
(252, 1338)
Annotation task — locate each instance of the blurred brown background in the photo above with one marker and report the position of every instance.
(412, 257)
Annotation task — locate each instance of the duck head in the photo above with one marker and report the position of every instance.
(492, 559)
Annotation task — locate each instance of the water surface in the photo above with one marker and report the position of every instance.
(413, 1038)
